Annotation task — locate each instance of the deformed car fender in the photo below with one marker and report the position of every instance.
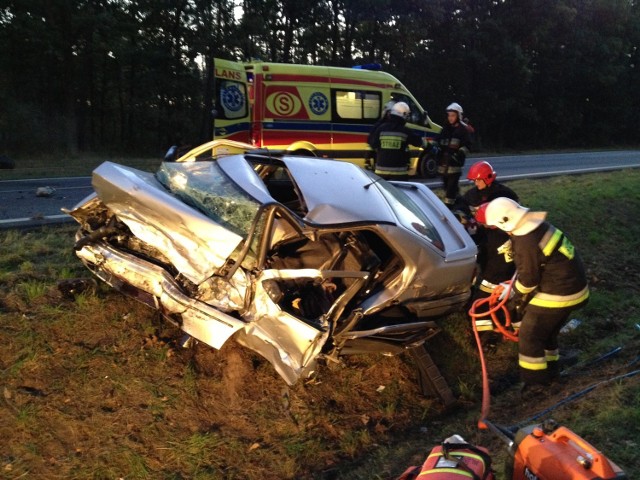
(288, 343)
(126, 272)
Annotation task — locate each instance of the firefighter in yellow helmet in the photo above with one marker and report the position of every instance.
(550, 283)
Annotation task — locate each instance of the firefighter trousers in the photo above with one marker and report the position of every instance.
(538, 352)
(451, 189)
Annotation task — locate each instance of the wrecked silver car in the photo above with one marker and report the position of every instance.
(297, 258)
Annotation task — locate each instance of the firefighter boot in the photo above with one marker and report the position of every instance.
(533, 391)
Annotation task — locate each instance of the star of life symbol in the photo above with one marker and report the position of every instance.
(232, 98)
(318, 103)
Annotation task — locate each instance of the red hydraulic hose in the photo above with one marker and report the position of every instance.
(494, 306)
(486, 394)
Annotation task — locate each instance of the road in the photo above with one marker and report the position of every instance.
(20, 206)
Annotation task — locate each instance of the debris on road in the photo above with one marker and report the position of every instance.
(45, 192)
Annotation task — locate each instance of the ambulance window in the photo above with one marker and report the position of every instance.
(356, 105)
(231, 98)
(416, 112)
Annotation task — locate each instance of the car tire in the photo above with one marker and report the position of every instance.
(427, 166)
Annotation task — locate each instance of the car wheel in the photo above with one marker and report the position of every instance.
(427, 166)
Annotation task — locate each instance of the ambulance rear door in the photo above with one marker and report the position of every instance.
(231, 102)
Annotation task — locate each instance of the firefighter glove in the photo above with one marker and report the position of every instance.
(505, 288)
(458, 158)
(515, 305)
(472, 226)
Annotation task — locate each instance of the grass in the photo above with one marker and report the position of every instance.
(96, 386)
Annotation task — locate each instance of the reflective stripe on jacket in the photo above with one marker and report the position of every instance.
(391, 141)
(549, 265)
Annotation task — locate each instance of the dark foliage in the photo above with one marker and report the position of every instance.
(134, 76)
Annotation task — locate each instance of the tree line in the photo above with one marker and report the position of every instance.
(135, 76)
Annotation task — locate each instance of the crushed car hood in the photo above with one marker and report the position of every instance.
(339, 194)
(194, 243)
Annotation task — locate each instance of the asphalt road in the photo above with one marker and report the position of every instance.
(19, 205)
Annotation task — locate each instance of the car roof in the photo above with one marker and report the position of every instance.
(334, 192)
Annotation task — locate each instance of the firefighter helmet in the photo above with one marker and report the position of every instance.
(401, 110)
(388, 106)
(504, 213)
(481, 213)
(455, 107)
(482, 171)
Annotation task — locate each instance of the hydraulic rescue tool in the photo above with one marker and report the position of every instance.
(545, 451)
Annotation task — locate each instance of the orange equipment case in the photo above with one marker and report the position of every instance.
(554, 453)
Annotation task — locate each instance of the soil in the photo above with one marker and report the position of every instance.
(94, 395)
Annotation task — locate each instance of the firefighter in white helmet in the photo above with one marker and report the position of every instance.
(550, 283)
(451, 147)
(391, 142)
(371, 155)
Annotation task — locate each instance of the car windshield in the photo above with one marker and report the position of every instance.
(409, 214)
(205, 186)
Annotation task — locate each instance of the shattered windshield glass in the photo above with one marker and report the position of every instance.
(205, 186)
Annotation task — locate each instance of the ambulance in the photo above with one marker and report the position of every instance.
(312, 110)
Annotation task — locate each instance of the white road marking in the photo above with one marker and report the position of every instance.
(55, 188)
(32, 219)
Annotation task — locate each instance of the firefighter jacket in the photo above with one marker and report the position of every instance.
(474, 197)
(550, 271)
(495, 254)
(454, 142)
(391, 141)
(495, 257)
(374, 129)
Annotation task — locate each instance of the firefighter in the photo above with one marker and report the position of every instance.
(391, 140)
(386, 111)
(495, 257)
(550, 283)
(452, 146)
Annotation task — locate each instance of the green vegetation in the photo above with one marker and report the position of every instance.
(95, 386)
(39, 166)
